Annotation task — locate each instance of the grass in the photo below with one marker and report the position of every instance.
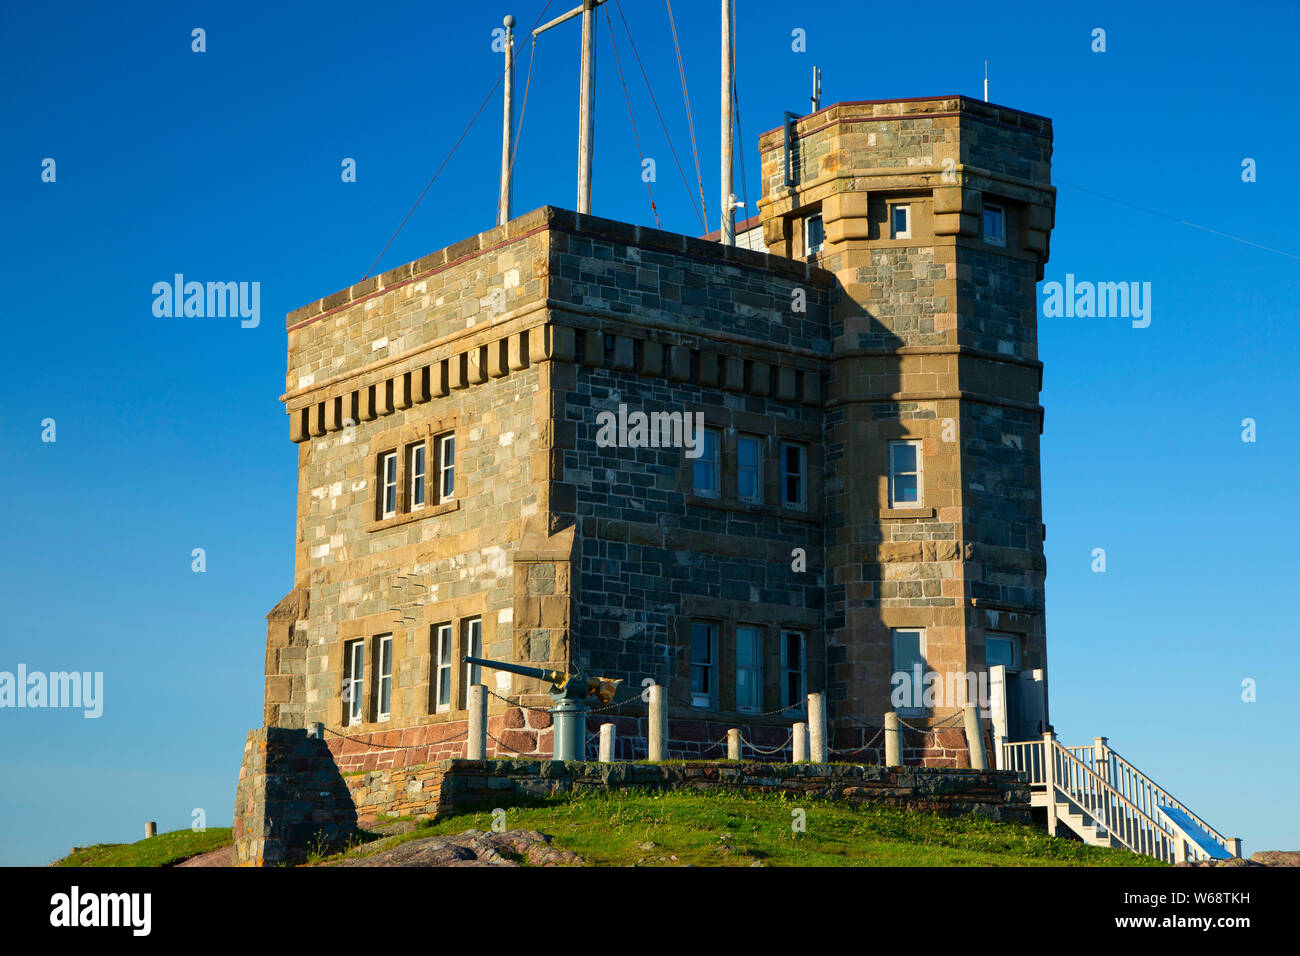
(165, 849)
(726, 829)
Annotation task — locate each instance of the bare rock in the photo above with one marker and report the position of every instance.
(473, 848)
(1277, 857)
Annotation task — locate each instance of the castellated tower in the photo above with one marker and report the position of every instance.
(862, 499)
(934, 215)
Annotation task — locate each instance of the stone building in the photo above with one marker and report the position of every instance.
(862, 502)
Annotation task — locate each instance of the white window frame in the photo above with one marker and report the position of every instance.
(896, 473)
(388, 483)
(757, 468)
(918, 689)
(800, 703)
(442, 665)
(713, 463)
(754, 672)
(710, 667)
(1002, 218)
(801, 474)
(1004, 637)
(383, 676)
(906, 232)
(417, 478)
(446, 467)
(808, 247)
(354, 673)
(472, 635)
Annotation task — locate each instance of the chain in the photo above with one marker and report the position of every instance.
(750, 744)
(367, 743)
(866, 746)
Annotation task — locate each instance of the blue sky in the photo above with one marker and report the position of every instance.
(225, 165)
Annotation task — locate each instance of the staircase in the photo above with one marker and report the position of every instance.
(1107, 801)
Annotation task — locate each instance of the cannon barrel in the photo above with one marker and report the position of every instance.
(551, 677)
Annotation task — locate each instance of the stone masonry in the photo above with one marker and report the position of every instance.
(561, 551)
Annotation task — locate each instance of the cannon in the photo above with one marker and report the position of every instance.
(570, 693)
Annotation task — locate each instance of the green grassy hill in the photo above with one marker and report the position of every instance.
(704, 829)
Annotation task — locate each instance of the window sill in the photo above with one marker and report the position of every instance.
(428, 511)
(893, 513)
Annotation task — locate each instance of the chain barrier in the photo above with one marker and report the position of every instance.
(367, 743)
(750, 744)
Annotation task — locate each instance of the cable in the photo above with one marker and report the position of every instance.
(635, 138)
(659, 113)
(690, 118)
(454, 147)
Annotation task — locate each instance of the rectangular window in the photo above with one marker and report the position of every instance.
(995, 225)
(704, 654)
(749, 469)
(705, 468)
(415, 475)
(814, 234)
(900, 221)
(441, 668)
(794, 682)
(472, 637)
(1002, 649)
(383, 676)
(388, 484)
(908, 679)
(749, 669)
(794, 479)
(446, 467)
(904, 474)
(354, 663)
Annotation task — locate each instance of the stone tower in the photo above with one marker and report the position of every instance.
(934, 214)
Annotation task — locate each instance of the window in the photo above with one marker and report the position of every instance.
(749, 469)
(383, 676)
(749, 669)
(442, 668)
(388, 484)
(704, 653)
(415, 475)
(473, 644)
(900, 221)
(1002, 649)
(814, 235)
(794, 684)
(995, 225)
(354, 659)
(446, 467)
(793, 476)
(908, 679)
(904, 474)
(705, 469)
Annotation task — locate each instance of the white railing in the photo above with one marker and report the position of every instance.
(1109, 792)
(1147, 794)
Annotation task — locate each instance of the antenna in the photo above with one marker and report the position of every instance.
(817, 89)
(986, 81)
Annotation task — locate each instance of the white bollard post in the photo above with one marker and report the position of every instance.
(150, 829)
(800, 742)
(817, 751)
(975, 739)
(893, 740)
(606, 743)
(733, 744)
(476, 704)
(657, 725)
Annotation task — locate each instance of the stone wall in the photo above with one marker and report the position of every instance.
(997, 794)
(290, 799)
